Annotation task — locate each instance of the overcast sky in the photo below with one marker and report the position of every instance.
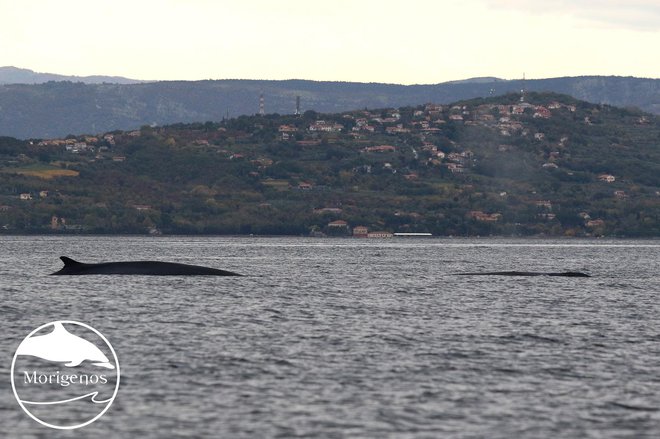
(412, 41)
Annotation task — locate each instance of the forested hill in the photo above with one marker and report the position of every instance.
(550, 165)
(55, 109)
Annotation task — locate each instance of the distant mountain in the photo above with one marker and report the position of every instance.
(55, 109)
(15, 75)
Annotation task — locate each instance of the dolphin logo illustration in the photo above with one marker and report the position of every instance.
(62, 346)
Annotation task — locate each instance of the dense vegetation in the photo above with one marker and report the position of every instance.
(550, 165)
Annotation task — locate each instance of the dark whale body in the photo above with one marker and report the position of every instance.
(153, 268)
(528, 273)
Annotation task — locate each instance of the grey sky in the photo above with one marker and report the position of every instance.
(416, 41)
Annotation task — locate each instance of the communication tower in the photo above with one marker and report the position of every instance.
(262, 110)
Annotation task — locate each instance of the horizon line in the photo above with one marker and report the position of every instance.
(485, 79)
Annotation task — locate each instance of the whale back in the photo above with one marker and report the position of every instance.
(73, 267)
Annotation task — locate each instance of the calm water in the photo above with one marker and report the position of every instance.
(354, 338)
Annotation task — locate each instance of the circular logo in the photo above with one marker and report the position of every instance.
(65, 374)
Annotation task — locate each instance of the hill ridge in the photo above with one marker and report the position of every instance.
(59, 108)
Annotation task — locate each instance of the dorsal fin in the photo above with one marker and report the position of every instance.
(68, 262)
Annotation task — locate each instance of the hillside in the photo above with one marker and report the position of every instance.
(550, 165)
(56, 109)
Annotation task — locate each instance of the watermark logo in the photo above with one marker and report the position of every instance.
(65, 374)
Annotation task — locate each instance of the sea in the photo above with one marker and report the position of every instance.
(352, 338)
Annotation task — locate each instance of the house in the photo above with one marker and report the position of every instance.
(262, 162)
(43, 194)
(304, 186)
(379, 148)
(287, 129)
(51, 142)
(360, 231)
(620, 194)
(433, 108)
(544, 204)
(25, 196)
(338, 223)
(397, 129)
(118, 158)
(595, 223)
(411, 176)
(550, 166)
(328, 127)
(542, 112)
(455, 168)
(110, 139)
(607, 178)
(484, 217)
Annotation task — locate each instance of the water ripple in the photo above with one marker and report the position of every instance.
(356, 338)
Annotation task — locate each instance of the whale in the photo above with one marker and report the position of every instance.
(63, 347)
(153, 268)
(527, 273)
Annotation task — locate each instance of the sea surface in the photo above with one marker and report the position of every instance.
(370, 338)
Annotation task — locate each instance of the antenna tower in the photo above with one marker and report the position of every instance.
(297, 105)
(262, 110)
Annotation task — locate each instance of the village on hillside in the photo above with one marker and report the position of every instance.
(514, 165)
